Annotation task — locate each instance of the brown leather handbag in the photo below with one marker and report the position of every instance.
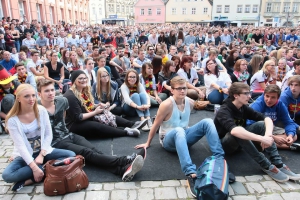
(200, 105)
(65, 179)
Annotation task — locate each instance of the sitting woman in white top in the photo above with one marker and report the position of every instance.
(29, 126)
(147, 79)
(259, 81)
(216, 83)
(190, 75)
(135, 98)
(89, 71)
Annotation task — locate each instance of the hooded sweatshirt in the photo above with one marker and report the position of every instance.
(277, 113)
(292, 104)
(229, 117)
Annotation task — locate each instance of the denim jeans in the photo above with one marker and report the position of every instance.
(215, 97)
(17, 45)
(18, 170)
(137, 69)
(231, 143)
(139, 99)
(162, 96)
(179, 140)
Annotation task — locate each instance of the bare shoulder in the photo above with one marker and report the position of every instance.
(166, 105)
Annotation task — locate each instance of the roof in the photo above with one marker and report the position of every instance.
(211, 2)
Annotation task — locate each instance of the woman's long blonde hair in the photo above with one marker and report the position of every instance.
(16, 109)
(99, 88)
(86, 91)
(279, 54)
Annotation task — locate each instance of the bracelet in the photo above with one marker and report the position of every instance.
(220, 90)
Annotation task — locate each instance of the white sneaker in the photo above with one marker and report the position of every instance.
(146, 128)
(149, 121)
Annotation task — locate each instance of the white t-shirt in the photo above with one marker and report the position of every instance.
(193, 74)
(31, 64)
(257, 78)
(60, 41)
(212, 78)
(203, 65)
(286, 78)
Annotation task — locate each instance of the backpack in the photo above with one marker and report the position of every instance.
(212, 179)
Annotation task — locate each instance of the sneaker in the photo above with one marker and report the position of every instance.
(191, 184)
(276, 174)
(18, 186)
(149, 123)
(134, 167)
(231, 177)
(139, 124)
(132, 132)
(146, 128)
(292, 176)
(295, 147)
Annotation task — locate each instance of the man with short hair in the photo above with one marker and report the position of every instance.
(95, 39)
(172, 52)
(152, 38)
(35, 64)
(150, 52)
(209, 38)
(119, 39)
(225, 37)
(244, 54)
(83, 42)
(121, 60)
(42, 41)
(190, 38)
(230, 122)
(61, 40)
(28, 41)
(8, 62)
(289, 57)
(95, 53)
(143, 39)
(139, 61)
(73, 40)
(257, 37)
(292, 37)
(89, 50)
(284, 131)
(24, 76)
(135, 51)
(175, 136)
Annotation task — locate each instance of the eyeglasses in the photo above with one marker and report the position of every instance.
(82, 78)
(180, 89)
(104, 76)
(132, 77)
(246, 93)
(210, 63)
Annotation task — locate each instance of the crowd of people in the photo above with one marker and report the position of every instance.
(85, 71)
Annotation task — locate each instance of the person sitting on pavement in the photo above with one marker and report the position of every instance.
(35, 65)
(284, 131)
(230, 122)
(8, 62)
(23, 75)
(174, 134)
(293, 72)
(126, 166)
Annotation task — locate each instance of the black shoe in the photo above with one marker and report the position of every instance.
(134, 167)
(231, 177)
(295, 147)
(143, 153)
(191, 185)
(18, 186)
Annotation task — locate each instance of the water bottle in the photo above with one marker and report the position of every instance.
(65, 161)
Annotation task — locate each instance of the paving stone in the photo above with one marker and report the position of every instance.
(94, 186)
(238, 188)
(290, 185)
(132, 195)
(26, 190)
(2, 152)
(181, 192)
(255, 178)
(183, 183)
(165, 193)
(125, 185)
(240, 179)
(4, 189)
(6, 196)
(230, 190)
(171, 183)
(254, 188)
(267, 178)
(271, 186)
(244, 197)
(150, 184)
(21, 197)
(119, 195)
(145, 194)
(97, 195)
(4, 183)
(291, 196)
(270, 197)
(39, 189)
(44, 197)
(3, 160)
(109, 186)
(74, 196)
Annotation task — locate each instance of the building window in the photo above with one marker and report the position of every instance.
(111, 8)
(123, 9)
(173, 11)
(276, 7)
(158, 11)
(142, 11)
(227, 9)
(100, 11)
(51, 14)
(219, 8)
(193, 11)
(239, 8)
(127, 9)
(21, 9)
(205, 10)
(247, 9)
(149, 11)
(38, 12)
(118, 8)
(295, 7)
(286, 7)
(255, 9)
(184, 11)
(269, 7)
(131, 9)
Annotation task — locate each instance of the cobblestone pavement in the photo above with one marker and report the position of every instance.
(245, 188)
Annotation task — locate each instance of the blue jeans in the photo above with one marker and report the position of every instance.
(139, 99)
(179, 140)
(18, 170)
(215, 97)
(137, 69)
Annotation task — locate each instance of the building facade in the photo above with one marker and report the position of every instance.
(97, 11)
(189, 11)
(49, 11)
(280, 13)
(150, 12)
(120, 11)
(241, 12)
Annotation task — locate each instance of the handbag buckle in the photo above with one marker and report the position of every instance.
(55, 191)
(78, 186)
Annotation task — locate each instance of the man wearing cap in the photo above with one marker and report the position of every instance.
(8, 87)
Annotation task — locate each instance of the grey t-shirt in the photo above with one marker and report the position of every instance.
(118, 61)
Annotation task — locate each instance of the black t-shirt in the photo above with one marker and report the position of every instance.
(55, 74)
(257, 37)
(143, 39)
(95, 40)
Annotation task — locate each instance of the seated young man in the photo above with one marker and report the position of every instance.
(23, 75)
(230, 122)
(269, 105)
(174, 134)
(125, 166)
